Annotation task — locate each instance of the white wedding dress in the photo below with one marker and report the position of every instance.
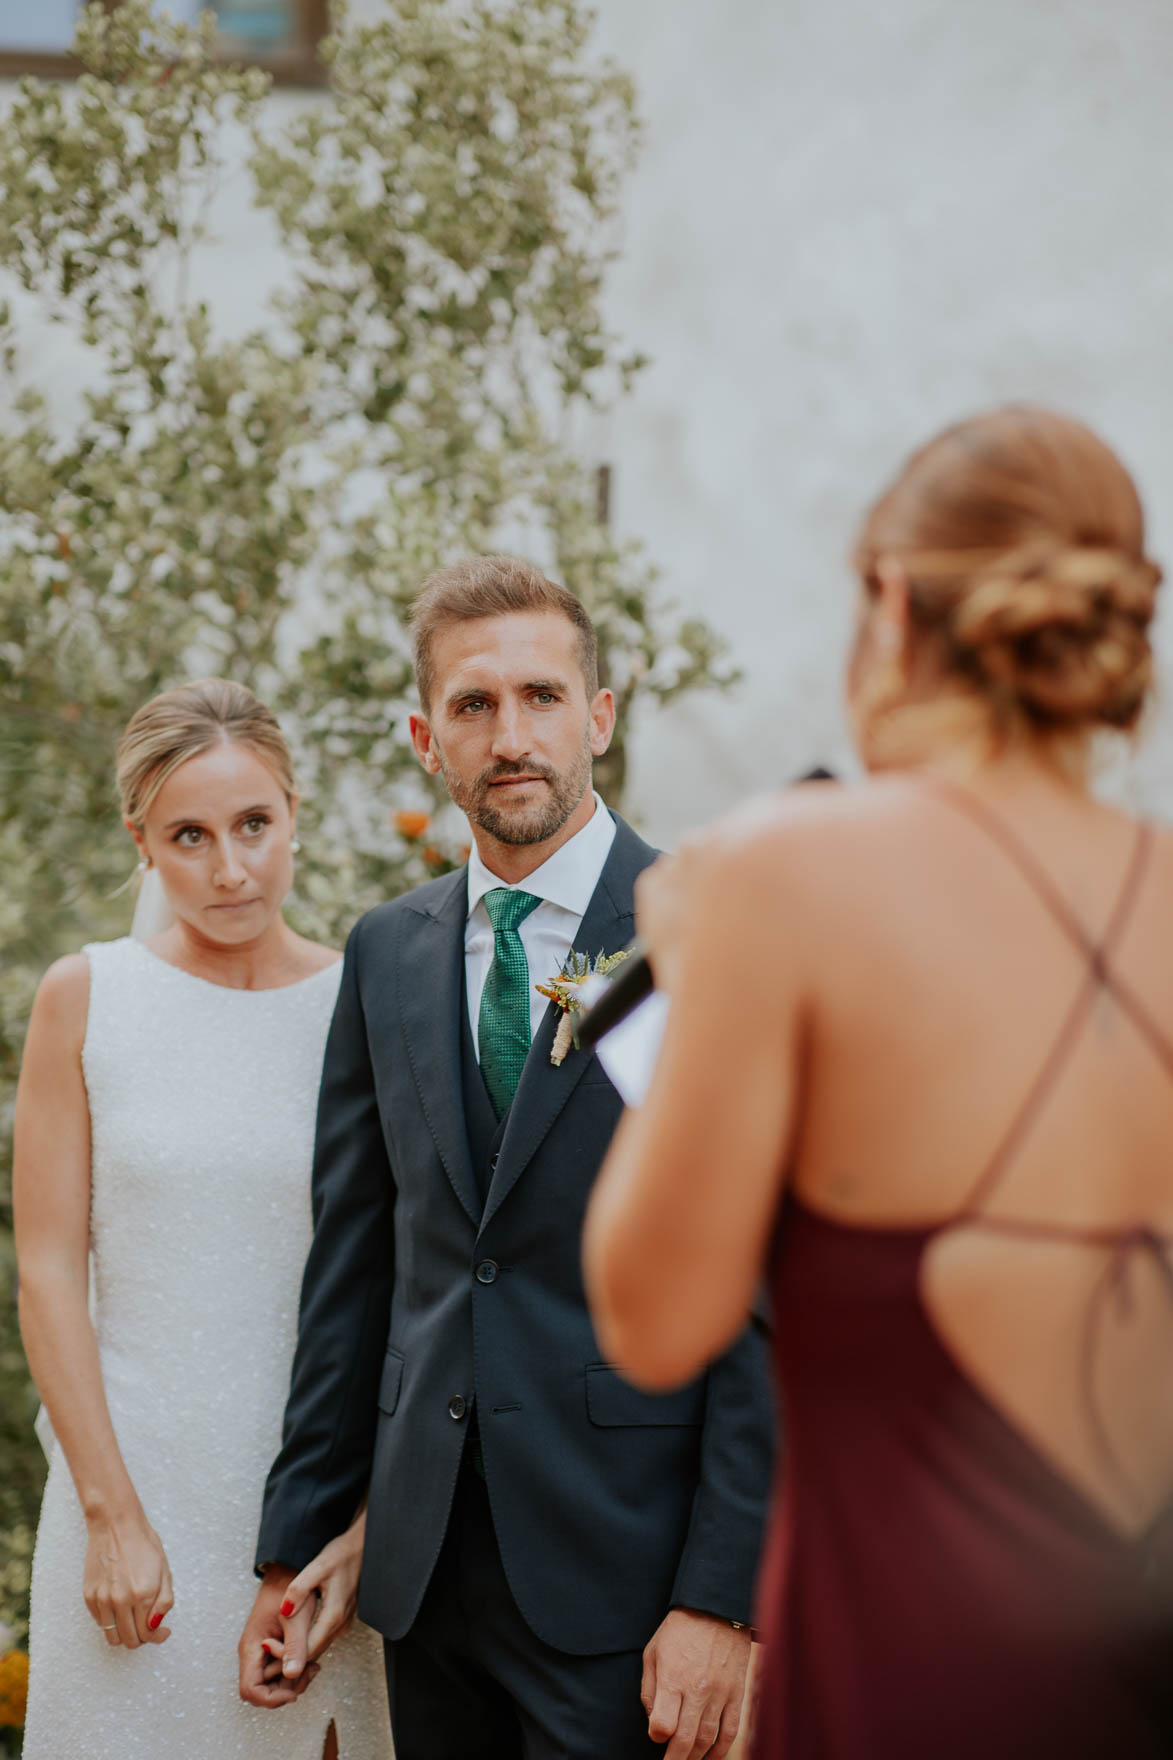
(202, 1103)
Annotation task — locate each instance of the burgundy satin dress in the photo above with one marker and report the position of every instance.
(933, 1589)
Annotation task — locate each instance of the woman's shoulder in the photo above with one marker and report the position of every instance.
(66, 987)
(1161, 834)
(67, 980)
(104, 952)
(806, 864)
(815, 820)
(63, 998)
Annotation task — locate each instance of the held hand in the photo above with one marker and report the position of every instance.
(127, 1584)
(694, 1684)
(261, 1646)
(320, 1601)
(665, 897)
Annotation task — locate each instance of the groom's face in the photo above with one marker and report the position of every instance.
(509, 726)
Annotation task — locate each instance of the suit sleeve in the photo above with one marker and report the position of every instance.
(322, 1471)
(719, 1563)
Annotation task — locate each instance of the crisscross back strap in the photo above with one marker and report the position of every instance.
(1122, 1245)
(1099, 974)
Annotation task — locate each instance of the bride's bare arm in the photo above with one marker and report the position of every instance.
(127, 1585)
(676, 1230)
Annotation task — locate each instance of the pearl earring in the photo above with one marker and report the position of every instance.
(143, 865)
(295, 847)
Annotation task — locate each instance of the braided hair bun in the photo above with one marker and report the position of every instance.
(1065, 634)
(1022, 537)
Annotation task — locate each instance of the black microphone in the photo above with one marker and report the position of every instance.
(633, 982)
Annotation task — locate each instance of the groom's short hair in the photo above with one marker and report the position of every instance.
(492, 586)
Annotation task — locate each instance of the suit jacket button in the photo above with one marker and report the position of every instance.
(457, 1406)
(487, 1271)
(493, 1160)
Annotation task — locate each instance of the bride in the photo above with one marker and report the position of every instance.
(164, 1134)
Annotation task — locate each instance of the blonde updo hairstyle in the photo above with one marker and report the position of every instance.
(1021, 536)
(182, 723)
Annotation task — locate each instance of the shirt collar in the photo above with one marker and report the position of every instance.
(567, 878)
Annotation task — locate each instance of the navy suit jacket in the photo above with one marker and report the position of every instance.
(423, 1303)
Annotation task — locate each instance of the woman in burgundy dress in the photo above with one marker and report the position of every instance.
(919, 1065)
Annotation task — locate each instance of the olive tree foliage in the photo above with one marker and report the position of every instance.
(264, 503)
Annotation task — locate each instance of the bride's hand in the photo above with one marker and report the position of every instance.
(127, 1583)
(319, 1603)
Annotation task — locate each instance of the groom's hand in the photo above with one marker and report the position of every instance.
(262, 1681)
(694, 1683)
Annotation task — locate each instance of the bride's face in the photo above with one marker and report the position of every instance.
(219, 833)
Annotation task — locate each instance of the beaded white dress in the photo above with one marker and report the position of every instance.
(202, 1103)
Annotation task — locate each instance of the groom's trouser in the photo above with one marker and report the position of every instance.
(470, 1681)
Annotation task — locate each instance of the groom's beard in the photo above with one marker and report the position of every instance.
(521, 825)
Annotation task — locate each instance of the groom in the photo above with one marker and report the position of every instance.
(561, 1564)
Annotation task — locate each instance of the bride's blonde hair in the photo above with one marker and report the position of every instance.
(182, 723)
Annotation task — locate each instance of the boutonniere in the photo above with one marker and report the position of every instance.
(566, 991)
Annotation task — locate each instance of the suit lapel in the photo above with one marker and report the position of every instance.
(544, 1089)
(430, 981)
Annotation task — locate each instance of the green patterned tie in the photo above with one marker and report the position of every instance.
(504, 1018)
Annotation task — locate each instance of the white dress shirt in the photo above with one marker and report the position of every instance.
(564, 884)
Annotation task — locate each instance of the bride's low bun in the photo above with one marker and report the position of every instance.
(1063, 632)
(1021, 536)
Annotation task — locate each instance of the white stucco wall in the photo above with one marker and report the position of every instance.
(850, 224)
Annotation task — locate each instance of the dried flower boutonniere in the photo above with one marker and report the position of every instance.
(566, 991)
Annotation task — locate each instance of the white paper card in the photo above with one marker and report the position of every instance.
(629, 1051)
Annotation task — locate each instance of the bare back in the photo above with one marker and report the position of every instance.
(991, 1062)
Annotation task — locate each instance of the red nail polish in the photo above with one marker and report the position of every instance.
(286, 1609)
(155, 1621)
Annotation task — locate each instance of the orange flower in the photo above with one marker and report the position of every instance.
(14, 1686)
(435, 858)
(411, 825)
